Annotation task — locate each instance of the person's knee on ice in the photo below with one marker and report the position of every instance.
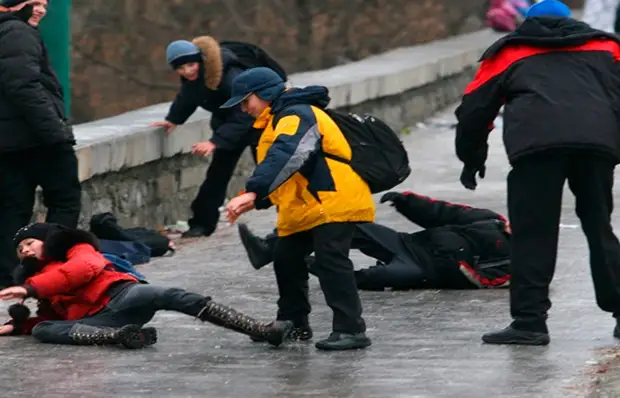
(371, 278)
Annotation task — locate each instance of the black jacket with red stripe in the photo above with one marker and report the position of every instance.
(558, 79)
(460, 245)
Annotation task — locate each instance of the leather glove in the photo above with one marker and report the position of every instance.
(468, 176)
(392, 197)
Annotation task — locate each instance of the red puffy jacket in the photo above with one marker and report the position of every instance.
(75, 288)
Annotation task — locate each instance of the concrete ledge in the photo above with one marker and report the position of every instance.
(126, 140)
(149, 178)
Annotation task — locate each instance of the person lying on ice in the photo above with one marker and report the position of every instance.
(84, 301)
(461, 247)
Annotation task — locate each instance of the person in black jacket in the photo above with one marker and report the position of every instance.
(558, 79)
(207, 70)
(460, 247)
(36, 139)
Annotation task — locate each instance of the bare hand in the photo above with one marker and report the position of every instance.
(6, 330)
(14, 292)
(203, 148)
(169, 126)
(239, 205)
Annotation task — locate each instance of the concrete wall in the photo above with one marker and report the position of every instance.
(149, 178)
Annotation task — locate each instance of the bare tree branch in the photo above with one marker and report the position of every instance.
(124, 73)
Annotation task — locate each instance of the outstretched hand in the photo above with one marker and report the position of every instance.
(6, 330)
(14, 292)
(239, 205)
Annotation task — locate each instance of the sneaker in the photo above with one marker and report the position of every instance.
(344, 341)
(510, 335)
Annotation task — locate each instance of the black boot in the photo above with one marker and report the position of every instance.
(344, 341)
(301, 332)
(129, 336)
(510, 335)
(259, 250)
(617, 328)
(275, 333)
(197, 232)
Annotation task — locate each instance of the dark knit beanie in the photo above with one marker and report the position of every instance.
(40, 231)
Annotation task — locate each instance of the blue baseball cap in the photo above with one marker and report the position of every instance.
(548, 8)
(181, 52)
(262, 81)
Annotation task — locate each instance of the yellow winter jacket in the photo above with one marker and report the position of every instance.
(307, 188)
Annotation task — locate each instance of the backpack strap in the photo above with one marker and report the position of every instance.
(278, 116)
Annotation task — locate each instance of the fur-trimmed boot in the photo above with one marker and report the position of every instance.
(275, 333)
(129, 336)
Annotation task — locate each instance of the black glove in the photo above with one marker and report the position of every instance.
(392, 197)
(468, 176)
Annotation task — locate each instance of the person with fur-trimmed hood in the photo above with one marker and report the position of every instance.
(83, 300)
(207, 69)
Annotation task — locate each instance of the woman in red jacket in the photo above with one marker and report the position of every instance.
(83, 300)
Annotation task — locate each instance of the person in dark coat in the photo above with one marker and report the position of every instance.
(460, 247)
(207, 70)
(558, 80)
(84, 300)
(36, 138)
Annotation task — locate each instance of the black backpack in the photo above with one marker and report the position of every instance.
(252, 56)
(378, 154)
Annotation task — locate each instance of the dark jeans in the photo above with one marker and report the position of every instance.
(212, 192)
(55, 169)
(135, 305)
(331, 244)
(535, 187)
(396, 269)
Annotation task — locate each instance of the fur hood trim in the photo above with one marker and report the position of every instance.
(58, 244)
(55, 248)
(212, 60)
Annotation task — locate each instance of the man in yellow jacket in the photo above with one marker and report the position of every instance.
(319, 200)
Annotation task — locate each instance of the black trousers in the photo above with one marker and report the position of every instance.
(55, 169)
(331, 244)
(396, 268)
(212, 192)
(136, 305)
(535, 187)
